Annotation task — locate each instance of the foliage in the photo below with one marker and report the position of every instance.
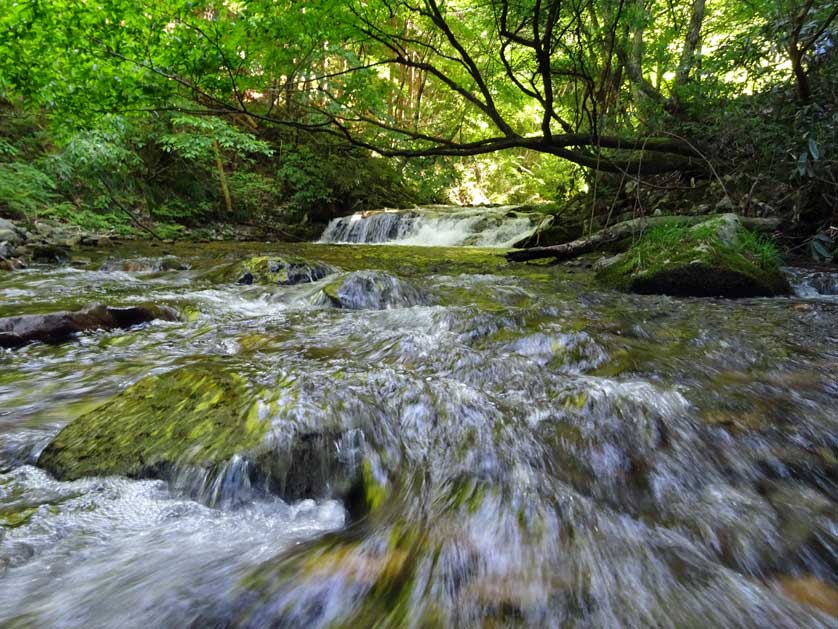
(24, 190)
(177, 107)
(325, 181)
(196, 138)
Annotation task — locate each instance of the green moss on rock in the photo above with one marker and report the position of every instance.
(195, 415)
(282, 270)
(716, 258)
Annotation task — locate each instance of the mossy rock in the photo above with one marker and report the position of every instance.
(281, 270)
(197, 416)
(715, 258)
(372, 290)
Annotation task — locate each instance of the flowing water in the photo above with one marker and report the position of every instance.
(435, 226)
(534, 450)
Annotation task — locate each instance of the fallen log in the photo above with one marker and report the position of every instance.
(623, 230)
(57, 327)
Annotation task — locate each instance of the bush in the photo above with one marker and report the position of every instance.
(253, 194)
(329, 181)
(24, 190)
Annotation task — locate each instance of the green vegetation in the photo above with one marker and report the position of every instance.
(200, 416)
(178, 115)
(273, 270)
(715, 258)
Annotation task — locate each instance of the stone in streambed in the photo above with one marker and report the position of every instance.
(372, 290)
(281, 270)
(195, 416)
(49, 254)
(715, 258)
(193, 423)
(57, 327)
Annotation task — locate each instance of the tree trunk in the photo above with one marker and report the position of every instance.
(222, 180)
(685, 65)
(804, 92)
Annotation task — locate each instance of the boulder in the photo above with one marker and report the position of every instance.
(203, 428)
(281, 270)
(49, 254)
(194, 415)
(10, 233)
(372, 290)
(11, 264)
(57, 327)
(718, 257)
(553, 230)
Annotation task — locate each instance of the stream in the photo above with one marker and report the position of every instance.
(537, 451)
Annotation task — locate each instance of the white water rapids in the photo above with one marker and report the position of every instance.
(435, 226)
(528, 449)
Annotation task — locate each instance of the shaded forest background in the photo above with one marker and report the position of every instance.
(117, 116)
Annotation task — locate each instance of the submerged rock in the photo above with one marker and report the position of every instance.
(812, 592)
(715, 258)
(57, 327)
(144, 265)
(373, 290)
(49, 254)
(193, 416)
(282, 270)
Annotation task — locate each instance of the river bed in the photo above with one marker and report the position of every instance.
(546, 452)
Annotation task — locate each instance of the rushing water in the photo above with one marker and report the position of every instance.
(435, 226)
(545, 453)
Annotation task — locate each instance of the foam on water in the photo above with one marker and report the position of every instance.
(115, 552)
(435, 226)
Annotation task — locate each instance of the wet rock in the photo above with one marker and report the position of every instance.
(94, 240)
(825, 283)
(553, 230)
(210, 434)
(281, 270)
(373, 290)
(308, 465)
(57, 327)
(715, 258)
(193, 416)
(806, 516)
(49, 254)
(12, 264)
(736, 523)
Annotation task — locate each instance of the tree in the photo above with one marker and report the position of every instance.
(599, 83)
(203, 139)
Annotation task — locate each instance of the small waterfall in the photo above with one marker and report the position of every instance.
(439, 226)
(809, 284)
